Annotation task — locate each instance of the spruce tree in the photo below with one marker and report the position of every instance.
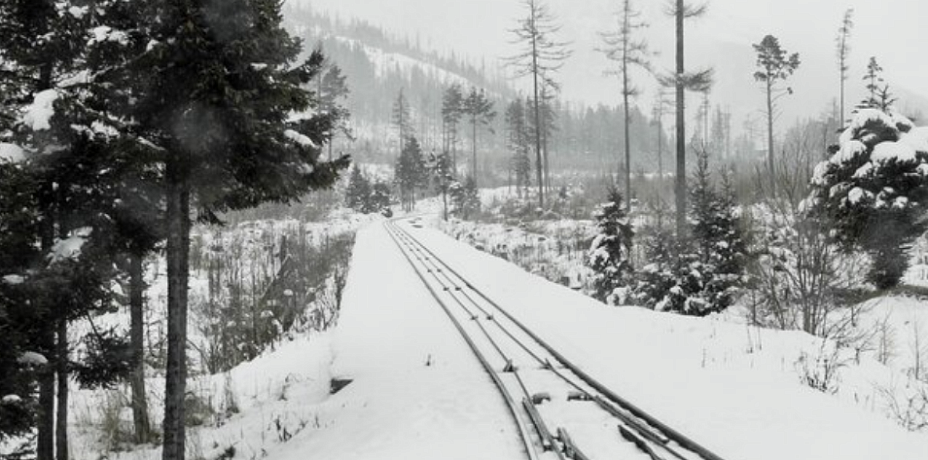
(410, 172)
(610, 251)
(357, 195)
(219, 93)
(443, 177)
(452, 107)
(874, 189)
(519, 143)
(479, 111)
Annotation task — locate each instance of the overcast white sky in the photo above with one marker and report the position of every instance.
(893, 30)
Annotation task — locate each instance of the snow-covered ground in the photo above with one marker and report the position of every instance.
(736, 389)
(417, 391)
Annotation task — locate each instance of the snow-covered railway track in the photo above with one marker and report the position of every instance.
(560, 411)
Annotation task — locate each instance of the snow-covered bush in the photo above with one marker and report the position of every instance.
(609, 251)
(875, 190)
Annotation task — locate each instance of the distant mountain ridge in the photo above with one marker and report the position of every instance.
(379, 65)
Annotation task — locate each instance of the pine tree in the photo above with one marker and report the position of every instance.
(333, 90)
(410, 172)
(443, 177)
(629, 51)
(874, 189)
(682, 81)
(776, 65)
(452, 108)
(357, 195)
(843, 51)
(519, 143)
(402, 120)
(541, 57)
(479, 111)
(610, 251)
(226, 133)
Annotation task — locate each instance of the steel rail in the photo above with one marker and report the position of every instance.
(667, 431)
(510, 403)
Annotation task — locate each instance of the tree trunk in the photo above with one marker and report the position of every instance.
(628, 153)
(539, 162)
(544, 150)
(178, 247)
(61, 430)
(843, 78)
(770, 164)
(660, 149)
(45, 443)
(474, 127)
(681, 128)
(137, 342)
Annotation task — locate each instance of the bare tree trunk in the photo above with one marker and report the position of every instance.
(660, 149)
(137, 342)
(473, 122)
(628, 153)
(681, 127)
(770, 163)
(539, 162)
(178, 248)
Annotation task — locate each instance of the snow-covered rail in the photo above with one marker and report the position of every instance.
(558, 408)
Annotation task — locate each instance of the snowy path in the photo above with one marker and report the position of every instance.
(417, 391)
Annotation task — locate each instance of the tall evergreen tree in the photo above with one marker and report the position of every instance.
(843, 51)
(402, 120)
(625, 47)
(410, 172)
(332, 92)
(357, 195)
(452, 107)
(682, 81)
(519, 143)
(479, 111)
(541, 56)
(443, 178)
(226, 133)
(775, 66)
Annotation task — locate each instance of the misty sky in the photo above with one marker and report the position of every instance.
(893, 30)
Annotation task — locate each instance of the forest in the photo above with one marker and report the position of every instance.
(182, 184)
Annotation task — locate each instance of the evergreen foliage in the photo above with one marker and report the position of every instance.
(519, 143)
(465, 198)
(364, 196)
(702, 274)
(410, 172)
(609, 254)
(452, 110)
(479, 111)
(874, 189)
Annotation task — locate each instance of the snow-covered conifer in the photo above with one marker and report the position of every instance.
(609, 252)
(875, 190)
